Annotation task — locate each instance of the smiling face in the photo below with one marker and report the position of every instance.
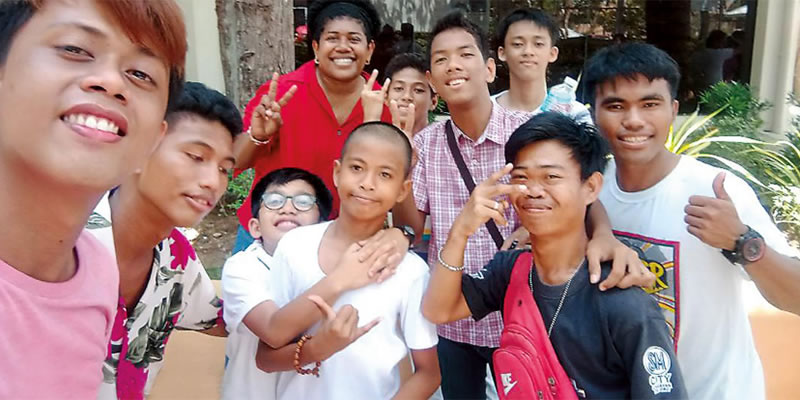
(409, 86)
(557, 197)
(370, 177)
(458, 71)
(81, 105)
(635, 116)
(527, 49)
(343, 49)
(188, 172)
(271, 225)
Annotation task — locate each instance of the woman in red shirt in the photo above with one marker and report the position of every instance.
(304, 119)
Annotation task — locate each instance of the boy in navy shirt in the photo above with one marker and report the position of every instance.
(612, 344)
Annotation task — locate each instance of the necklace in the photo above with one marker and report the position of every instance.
(563, 295)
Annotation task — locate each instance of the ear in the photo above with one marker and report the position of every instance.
(160, 137)
(591, 187)
(254, 228)
(429, 77)
(315, 47)
(405, 191)
(370, 49)
(491, 69)
(553, 54)
(501, 54)
(675, 106)
(337, 168)
(434, 101)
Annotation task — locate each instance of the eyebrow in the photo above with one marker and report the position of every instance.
(464, 47)
(349, 33)
(208, 146)
(360, 160)
(538, 166)
(613, 99)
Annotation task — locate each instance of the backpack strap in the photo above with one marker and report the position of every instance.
(518, 286)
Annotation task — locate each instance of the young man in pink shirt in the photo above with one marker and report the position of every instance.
(84, 86)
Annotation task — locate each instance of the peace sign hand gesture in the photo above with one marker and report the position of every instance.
(266, 119)
(373, 100)
(482, 204)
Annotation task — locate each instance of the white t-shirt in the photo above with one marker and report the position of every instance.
(367, 368)
(245, 284)
(577, 110)
(698, 289)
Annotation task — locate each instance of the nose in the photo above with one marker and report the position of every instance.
(535, 190)
(288, 207)
(367, 182)
(527, 50)
(633, 120)
(106, 78)
(211, 180)
(453, 65)
(407, 96)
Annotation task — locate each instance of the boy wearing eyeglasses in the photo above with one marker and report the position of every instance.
(283, 200)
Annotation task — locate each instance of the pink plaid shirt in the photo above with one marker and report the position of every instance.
(440, 192)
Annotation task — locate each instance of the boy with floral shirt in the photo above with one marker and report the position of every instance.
(163, 285)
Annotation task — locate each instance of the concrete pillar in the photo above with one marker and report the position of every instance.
(775, 46)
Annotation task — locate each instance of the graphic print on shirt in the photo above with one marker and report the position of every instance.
(662, 258)
(657, 363)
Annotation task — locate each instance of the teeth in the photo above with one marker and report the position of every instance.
(456, 82)
(93, 122)
(342, 61)
(634, 139)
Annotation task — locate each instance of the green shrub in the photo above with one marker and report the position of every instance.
(238, 189)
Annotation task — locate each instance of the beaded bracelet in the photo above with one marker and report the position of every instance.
(448, 266)
(300, 370)
(253, 139)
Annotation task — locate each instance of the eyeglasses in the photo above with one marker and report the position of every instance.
(276, 201)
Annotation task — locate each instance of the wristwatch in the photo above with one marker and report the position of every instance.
(408, 232)
(749, 248)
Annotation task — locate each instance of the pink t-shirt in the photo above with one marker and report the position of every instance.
(54, 336)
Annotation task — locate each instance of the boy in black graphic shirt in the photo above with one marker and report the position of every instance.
(612, 344)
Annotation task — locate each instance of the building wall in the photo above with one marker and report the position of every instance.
(203, 60)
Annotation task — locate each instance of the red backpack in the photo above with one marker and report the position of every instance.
(526, 366)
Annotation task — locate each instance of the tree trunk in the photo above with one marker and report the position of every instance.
(669, 28)
(256, 39)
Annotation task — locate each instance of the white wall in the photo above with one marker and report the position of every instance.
(203, 61)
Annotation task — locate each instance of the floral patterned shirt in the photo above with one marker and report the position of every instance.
(179, 294)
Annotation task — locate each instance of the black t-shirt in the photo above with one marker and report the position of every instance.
(613, 344)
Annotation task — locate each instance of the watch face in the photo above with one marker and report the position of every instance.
(753, 249)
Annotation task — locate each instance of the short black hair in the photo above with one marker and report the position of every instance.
(626, 60)
(588, 147)
(199, 100)
(457, 20)
(13, 15)
(324, 11)
(285, 175)
(383, 130)
(407, 60)
(535, 15)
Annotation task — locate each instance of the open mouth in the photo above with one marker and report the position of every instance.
(456, 82)
(286, 224)
(343, 61)
(200, 203)
(94, 122)
(634, 139)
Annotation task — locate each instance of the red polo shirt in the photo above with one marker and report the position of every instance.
(310, 137)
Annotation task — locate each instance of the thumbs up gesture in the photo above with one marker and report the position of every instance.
(714, 220)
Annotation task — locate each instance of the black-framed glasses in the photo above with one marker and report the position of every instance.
(300, 202)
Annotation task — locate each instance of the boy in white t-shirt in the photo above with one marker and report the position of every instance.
(371, 177)
(283, 200)
(701, 231)
(526, 42)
